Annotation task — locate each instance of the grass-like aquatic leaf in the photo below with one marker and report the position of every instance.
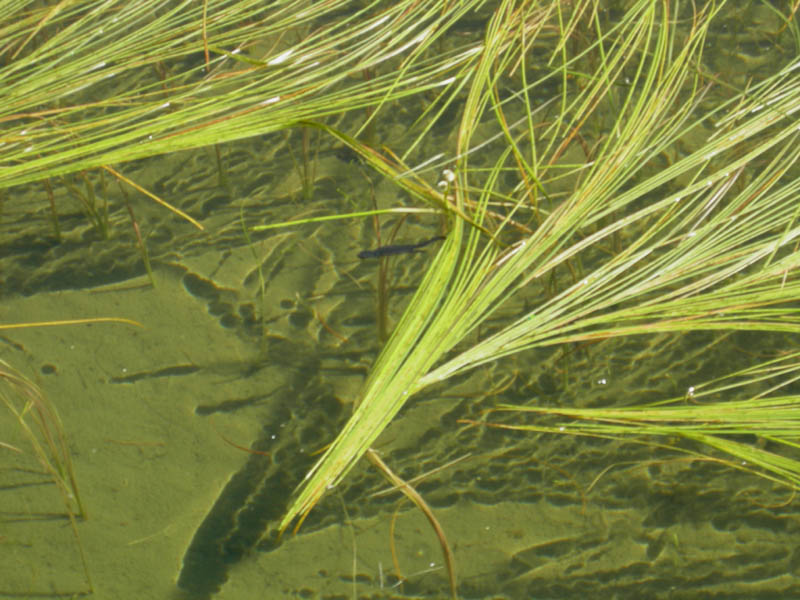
(697, 246)
(702, 417)
(41, 426)
(65, 106)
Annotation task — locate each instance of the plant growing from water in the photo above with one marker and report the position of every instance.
(239, 69)
(571, 185)
(636, 245)
(39, 421)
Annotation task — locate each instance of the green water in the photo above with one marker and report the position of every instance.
(189, 434)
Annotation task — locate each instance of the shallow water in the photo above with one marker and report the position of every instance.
(190, 433)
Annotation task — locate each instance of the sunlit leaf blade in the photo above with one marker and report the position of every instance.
(66, 102)
(697, 247)
(702, 417)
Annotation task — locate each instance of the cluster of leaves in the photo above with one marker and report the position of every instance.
(707, 242)
(702, 239)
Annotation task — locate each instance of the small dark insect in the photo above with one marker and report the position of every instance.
(397, 248)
